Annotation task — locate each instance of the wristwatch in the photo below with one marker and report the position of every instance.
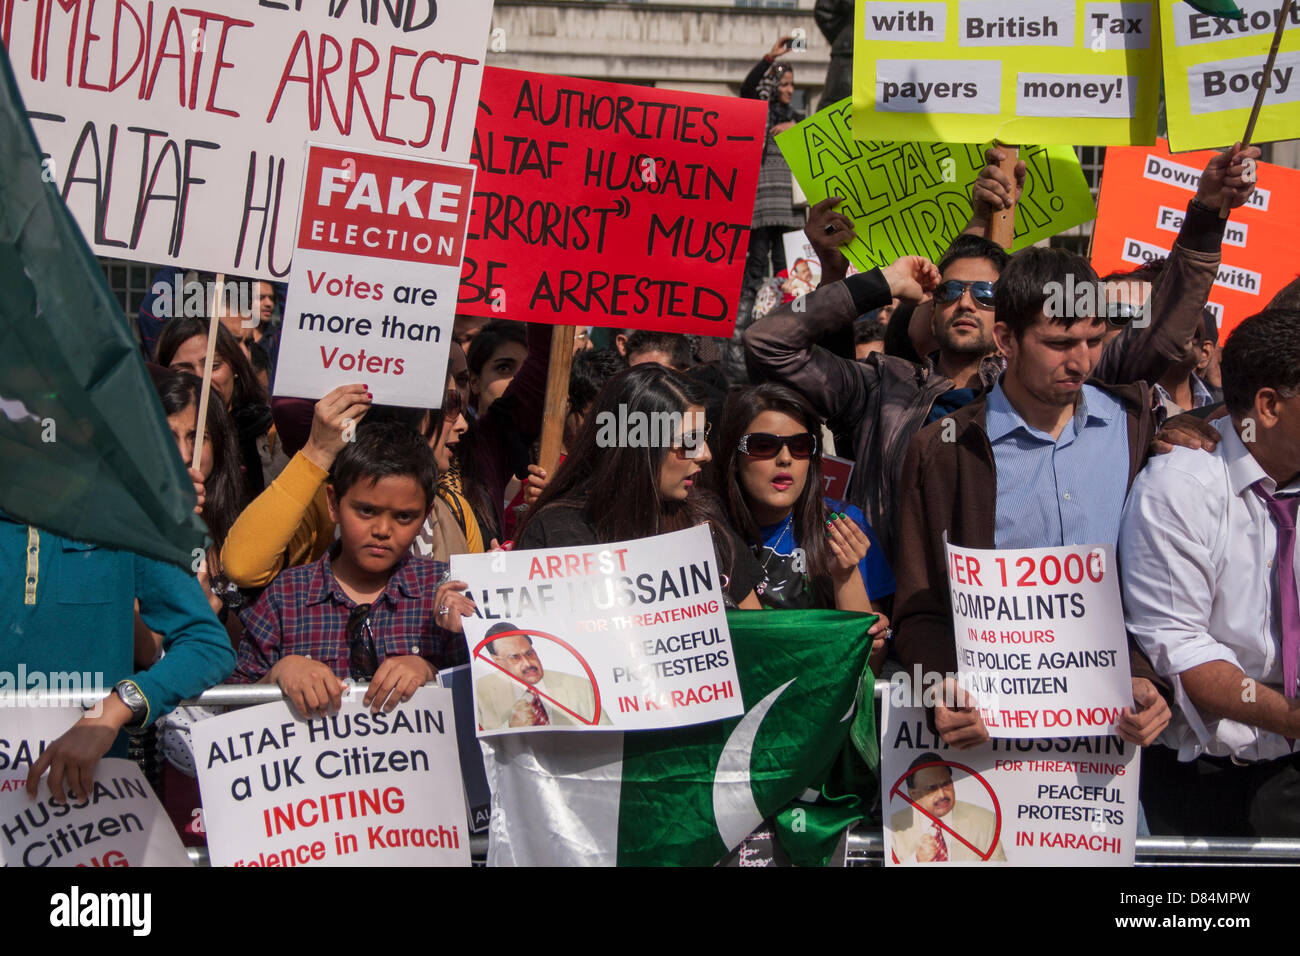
(130, 695)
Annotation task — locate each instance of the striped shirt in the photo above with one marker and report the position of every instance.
(1068, 490)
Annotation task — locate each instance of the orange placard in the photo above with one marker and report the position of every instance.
(1144, 195)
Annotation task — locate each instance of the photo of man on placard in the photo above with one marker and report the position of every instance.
(526, 694)
(936, 827)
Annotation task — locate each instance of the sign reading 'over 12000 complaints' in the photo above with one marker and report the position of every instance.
(1040, 638)
(372, 295)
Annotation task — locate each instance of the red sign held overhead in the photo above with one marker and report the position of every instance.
(610, 205)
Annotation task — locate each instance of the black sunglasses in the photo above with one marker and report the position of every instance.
(951, 291)
(363, 659)
(1122, 313)
(451, 405)
(763, 445)
(693, 443)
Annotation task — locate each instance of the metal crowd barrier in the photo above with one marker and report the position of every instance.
(864, 846)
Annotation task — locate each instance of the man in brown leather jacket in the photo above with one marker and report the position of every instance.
(963, 477)
(884, 401)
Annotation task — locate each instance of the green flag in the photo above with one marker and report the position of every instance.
(1218, 8)
(687, 796)
(85, 451)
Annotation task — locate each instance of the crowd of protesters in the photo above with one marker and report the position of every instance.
(973, 412)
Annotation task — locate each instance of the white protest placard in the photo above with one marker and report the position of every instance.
(1044, 802)
(376, 271)
(1040, 638)
(121, 823)
(624, 636)
(353, 788)
(175, 131)
(25, 731)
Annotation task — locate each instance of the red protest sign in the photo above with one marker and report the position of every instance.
(836, 474)
(1144, 195)
(383, 206)
(611, 205)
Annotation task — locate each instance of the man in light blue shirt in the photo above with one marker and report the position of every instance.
(1044, 460)
(1063, 490)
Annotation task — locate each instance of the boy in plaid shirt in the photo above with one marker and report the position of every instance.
(368, 609)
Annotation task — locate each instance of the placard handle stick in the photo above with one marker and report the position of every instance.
(557, 397)
(214, 323)
(1002, 228)
(1266, 82)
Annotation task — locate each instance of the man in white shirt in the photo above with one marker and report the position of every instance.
(1208, 560)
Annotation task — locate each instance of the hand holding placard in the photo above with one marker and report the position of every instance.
(1147, 718)
(911, 277)
(960, 725)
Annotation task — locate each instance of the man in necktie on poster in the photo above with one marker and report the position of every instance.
(936, 827)
(530, 696)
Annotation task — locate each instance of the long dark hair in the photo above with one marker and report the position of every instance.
(176, 332)
(743, 405)
(618, 487)
(224, 488)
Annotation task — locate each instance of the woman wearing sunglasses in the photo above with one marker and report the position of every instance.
(611, 489)
(815, 552)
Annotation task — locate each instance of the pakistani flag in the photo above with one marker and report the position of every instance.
(1218, 8)
(686, 797)
(84, 448)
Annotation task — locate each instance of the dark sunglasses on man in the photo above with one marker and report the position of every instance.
(363, 658)
(952, 290)
(763, 445)
(1120, 314)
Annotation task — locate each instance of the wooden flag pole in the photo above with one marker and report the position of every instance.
(557, 397)
(1265, 83)
(1002, 228)
(214, 323)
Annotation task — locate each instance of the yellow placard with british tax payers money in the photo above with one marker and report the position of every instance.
(1019, 71)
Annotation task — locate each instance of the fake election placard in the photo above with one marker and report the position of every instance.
(1040, 638)
(625, 636)
(25, 732)
(915, 198)
(1055, 72)
(175, 132)
(610, 205)
(1214, 68)
(372, 295)
(1144, 196)
(120, 823)
(1046, 802)
(351, 788)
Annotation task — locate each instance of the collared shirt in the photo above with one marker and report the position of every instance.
(1200, 397)
(1067, 490)
(305, 612)
(67, 613)
(1197, 562)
